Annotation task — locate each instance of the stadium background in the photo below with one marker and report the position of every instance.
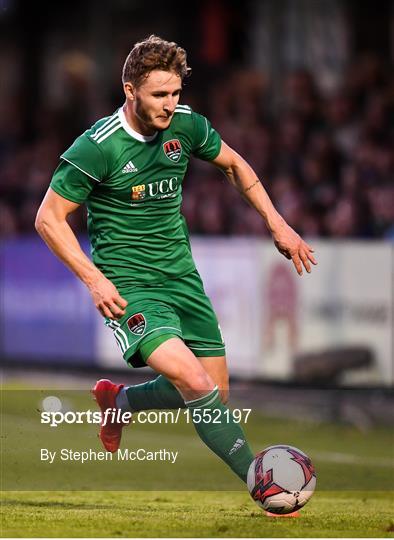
(304, 90)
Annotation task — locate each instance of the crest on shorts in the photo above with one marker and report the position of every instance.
(173, 150)
(137, 324)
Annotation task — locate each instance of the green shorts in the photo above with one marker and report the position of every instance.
(179, 307)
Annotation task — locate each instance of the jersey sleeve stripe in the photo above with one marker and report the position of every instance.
(183, 106)
(79, 168)
(206, 135)
(105, 135)
(184, 111)
(104, 125)
(102, 130)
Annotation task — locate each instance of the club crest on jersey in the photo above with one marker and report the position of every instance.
(138, 192)
(173, 150)
(137, 324)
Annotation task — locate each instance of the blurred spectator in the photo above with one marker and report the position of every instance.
(301, 98)
(341, 120)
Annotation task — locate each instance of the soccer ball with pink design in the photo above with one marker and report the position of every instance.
(281, 479)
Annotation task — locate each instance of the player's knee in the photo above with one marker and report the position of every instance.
(200, 383)
(195, 384)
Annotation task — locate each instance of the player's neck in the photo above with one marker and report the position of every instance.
(135, 123)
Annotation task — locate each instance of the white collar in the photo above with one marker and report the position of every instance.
(126, 126)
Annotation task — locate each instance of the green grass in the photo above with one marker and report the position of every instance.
(354, 496)
(190, 514)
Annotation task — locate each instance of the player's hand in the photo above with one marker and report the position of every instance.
(294, 248)
(107, 299)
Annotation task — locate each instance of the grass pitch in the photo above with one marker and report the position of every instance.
(190, 514)
(354, 497)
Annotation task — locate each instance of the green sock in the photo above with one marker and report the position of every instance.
(157, 394)
(224, 437)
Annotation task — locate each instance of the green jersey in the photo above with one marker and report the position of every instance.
(132, 187)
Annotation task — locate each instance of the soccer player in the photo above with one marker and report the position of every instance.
(128, 169)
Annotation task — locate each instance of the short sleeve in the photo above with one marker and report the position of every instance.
(71, 183)
(86, 156)
(207, 141)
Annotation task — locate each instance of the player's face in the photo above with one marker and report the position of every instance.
(156, 98)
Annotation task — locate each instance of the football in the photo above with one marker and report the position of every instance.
(281, 479)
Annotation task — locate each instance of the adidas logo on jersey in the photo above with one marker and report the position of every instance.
(129, 167)
(237, 445)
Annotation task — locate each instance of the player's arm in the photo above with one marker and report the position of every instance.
(51, 224)
(244, 179)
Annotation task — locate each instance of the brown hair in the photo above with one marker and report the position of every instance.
(154, 53)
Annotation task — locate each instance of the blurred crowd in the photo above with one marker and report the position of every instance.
(325, 158)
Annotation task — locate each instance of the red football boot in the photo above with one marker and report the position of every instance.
(105, 393)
